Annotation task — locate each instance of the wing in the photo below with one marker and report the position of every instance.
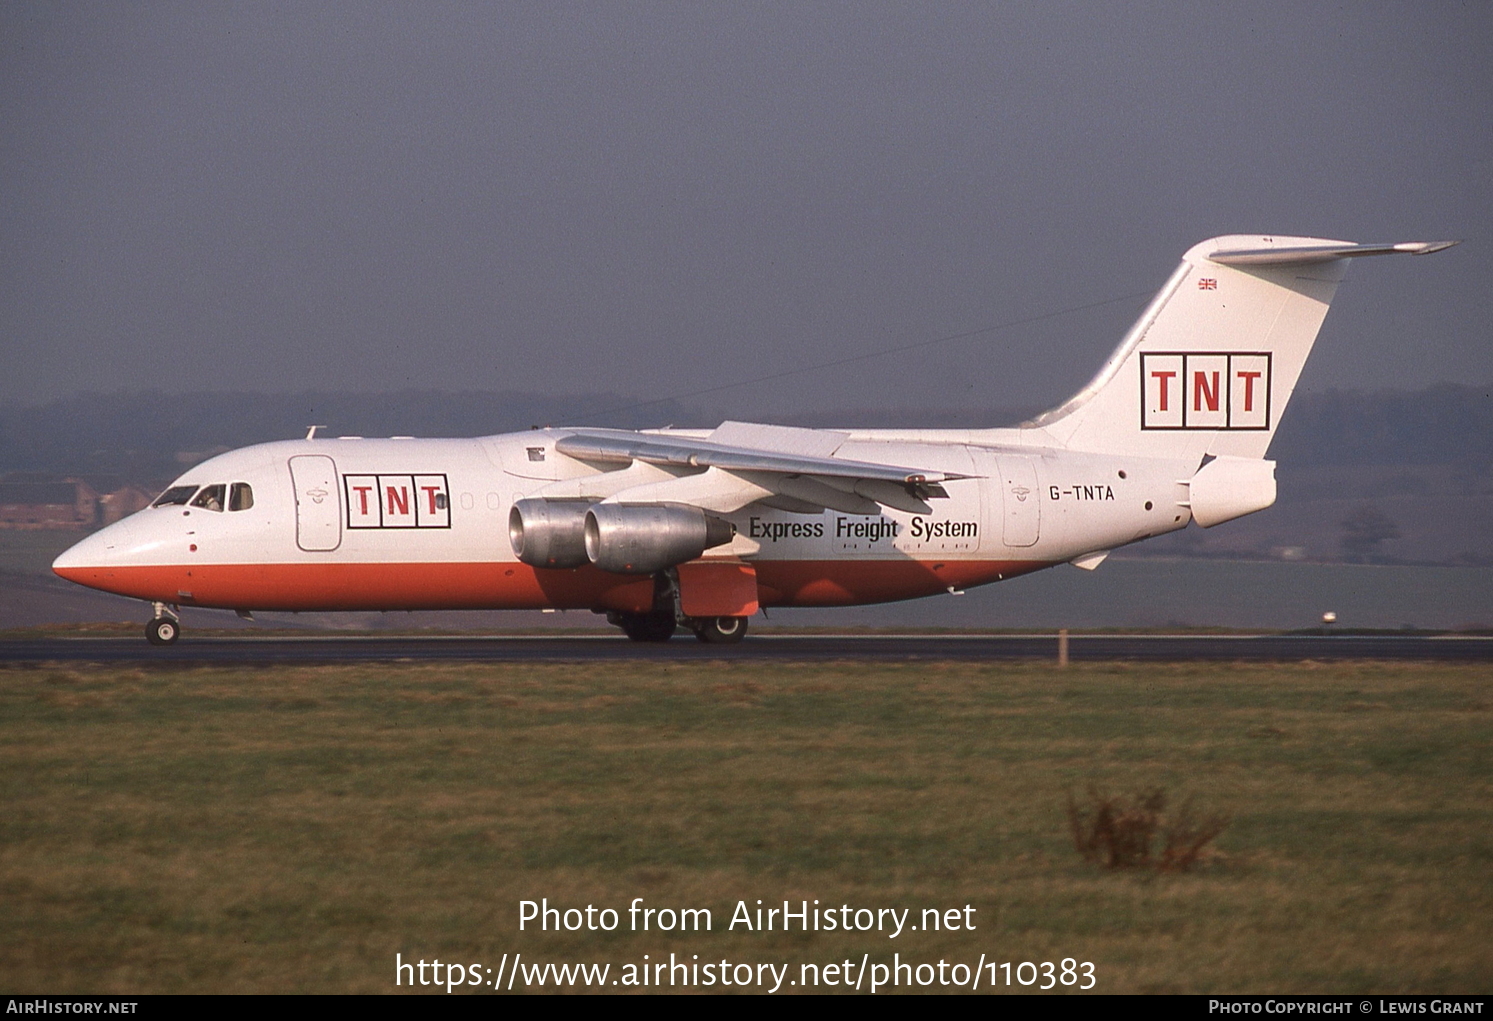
(742, 463)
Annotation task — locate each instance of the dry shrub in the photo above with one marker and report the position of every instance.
(1120, 833)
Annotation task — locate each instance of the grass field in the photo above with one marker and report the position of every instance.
(294, 829)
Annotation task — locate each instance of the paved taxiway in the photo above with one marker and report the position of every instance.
(322, 649)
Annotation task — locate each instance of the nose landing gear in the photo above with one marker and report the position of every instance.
(165, 628)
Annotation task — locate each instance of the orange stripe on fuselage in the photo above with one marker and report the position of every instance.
(515, 586)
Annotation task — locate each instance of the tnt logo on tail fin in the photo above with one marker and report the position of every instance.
(1205, 390)
(1211, 364)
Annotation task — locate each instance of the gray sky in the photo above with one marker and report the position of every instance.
(655, 198)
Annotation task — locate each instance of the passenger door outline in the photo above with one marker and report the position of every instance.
(318, 503)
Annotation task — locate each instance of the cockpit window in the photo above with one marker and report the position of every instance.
(240, 497)
(175, 496)
(211, 497)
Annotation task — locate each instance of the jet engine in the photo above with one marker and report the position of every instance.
(549, 533)
(644, 538)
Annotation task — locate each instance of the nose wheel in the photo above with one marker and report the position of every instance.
(165, 628)
(162, 631)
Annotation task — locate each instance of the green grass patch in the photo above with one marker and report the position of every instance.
(291, 829)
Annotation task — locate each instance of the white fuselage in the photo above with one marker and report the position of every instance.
(392, 524)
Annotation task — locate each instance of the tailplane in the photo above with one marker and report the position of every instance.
(1210, 365)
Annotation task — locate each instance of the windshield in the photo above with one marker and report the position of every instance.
(175, 496)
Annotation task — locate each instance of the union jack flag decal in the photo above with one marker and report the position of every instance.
(1207, 284)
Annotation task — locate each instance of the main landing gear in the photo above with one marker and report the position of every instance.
(659, 624)
(165, 628)
(719, 630)
(654, 627)
(645, 627)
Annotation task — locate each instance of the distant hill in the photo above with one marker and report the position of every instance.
(155, 435)
(1448, 424)
(130, 432)
(1417, 465)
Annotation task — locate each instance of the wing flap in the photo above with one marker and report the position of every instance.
(712, 490)
(616, 446)
(724, 492)
(820, 494)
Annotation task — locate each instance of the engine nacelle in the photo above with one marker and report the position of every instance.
(644, 538)
(549, 533)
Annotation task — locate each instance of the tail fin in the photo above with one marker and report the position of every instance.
(1211, 363)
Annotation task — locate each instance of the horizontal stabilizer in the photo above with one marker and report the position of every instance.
(1322, 253)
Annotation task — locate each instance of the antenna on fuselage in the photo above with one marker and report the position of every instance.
(311, 431)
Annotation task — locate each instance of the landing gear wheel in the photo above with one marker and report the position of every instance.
(648, 627)
(162, 631)
(721, 630)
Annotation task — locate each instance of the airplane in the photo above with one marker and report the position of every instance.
(667, 528)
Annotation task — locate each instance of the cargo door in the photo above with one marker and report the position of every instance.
(1022, 518)
(318, 503)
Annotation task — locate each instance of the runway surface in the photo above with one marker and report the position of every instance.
(321, 649)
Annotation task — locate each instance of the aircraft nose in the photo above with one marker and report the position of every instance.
(81, 555)
(100, 549)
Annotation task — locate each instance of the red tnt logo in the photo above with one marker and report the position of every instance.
(1205, 390)
(397, 501)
